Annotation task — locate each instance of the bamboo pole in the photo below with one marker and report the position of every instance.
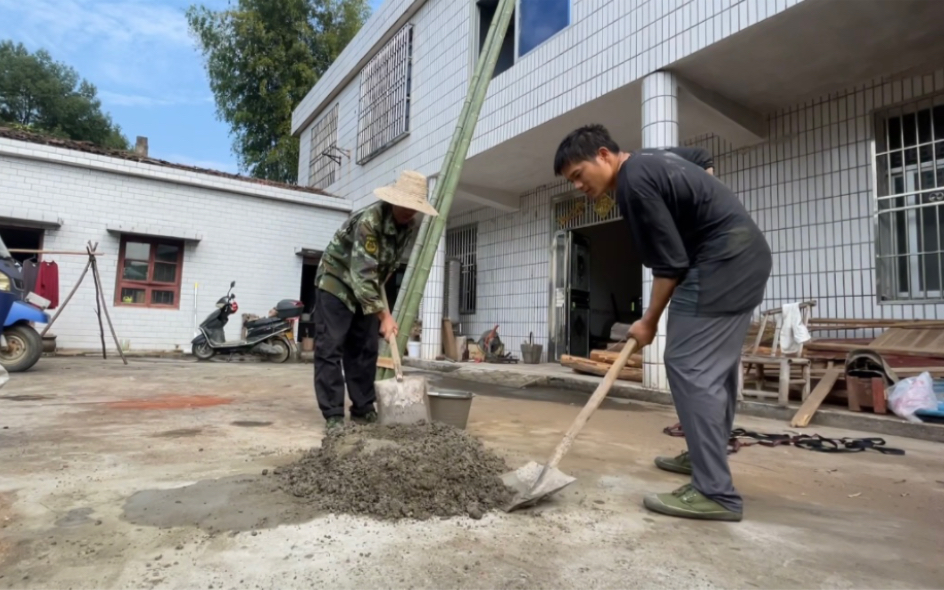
(451, 169)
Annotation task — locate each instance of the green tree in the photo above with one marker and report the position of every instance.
(262, 58)
(47, 96)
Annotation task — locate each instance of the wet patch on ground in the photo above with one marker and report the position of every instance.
(25, 398)
(238, 503)
(170, 402)
(250, 423)
(179, 433)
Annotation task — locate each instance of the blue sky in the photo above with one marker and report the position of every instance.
(140, 55)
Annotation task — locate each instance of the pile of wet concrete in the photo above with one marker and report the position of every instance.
(414, 471)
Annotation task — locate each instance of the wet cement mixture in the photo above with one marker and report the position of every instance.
(416, 471)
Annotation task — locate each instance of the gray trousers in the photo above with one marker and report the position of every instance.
(702, 362)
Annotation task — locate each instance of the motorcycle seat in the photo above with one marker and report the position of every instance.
(263, 322)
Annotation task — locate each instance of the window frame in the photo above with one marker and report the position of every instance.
(897, 202)
(516, 23)
(462, 245)
(149, 285)
(367, 117)
(324, 134)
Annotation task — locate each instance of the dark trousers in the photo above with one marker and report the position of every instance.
(702, 363)
(348, 340)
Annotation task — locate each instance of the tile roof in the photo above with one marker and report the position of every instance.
(89, 148)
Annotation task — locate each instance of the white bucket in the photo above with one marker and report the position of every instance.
(413, 349)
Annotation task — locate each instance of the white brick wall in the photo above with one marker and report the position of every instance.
(249, 236)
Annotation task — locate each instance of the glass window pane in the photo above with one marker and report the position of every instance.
(909, 129)
(165, 273)
(162, 297)
(132, 296)
(166, 253)
(137, 251)
(539, 21)
(135, 271)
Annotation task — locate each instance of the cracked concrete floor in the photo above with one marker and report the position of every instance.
(150, 476)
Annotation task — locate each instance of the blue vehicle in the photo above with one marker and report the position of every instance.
(21, 345)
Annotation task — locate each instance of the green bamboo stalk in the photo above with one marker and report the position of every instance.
(450, 172)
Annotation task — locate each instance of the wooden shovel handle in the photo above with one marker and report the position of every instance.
(392, 341)
(592, 404)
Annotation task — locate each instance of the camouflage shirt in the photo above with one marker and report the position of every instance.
(364, 253)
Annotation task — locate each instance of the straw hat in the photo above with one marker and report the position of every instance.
(409, 191)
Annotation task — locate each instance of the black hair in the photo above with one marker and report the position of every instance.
(582, 145)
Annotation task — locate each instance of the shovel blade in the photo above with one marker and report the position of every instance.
(402, 402)
(523, 480)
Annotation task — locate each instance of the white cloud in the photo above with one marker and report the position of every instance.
(132, 47)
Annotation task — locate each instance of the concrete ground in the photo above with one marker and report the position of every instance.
(150, 476)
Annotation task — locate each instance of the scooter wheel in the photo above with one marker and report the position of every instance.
(284, 351)
(202, 351)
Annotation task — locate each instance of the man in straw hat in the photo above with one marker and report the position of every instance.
(349, 311)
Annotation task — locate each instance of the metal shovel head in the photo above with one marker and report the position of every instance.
(402, 402)
(523, 480)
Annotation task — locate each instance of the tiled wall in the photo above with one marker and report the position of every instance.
(607, 46)
(810, 190)
(513, 261)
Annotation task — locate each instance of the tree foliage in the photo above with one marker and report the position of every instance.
(262, 58)
(41, 94)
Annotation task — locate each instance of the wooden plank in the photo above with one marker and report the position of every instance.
(589, 367)
(385, 362)
(609, 357)
(816, 397)
(883, 350)
(449, 340)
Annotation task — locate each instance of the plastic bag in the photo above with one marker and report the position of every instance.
(4, 376)
(913, 394)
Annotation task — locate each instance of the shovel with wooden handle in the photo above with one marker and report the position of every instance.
(534, 482)
(401, 400)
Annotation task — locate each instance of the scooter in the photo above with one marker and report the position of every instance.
(271, 337)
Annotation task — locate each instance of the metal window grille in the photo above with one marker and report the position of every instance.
(909, 170)
(574, 211)
(384, 106)
(324, 161)
(461, 244)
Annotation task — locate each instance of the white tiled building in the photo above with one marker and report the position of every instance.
(171, 237)
(824, 116)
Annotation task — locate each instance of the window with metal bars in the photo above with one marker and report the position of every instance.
(909, 169)
(384, 105)
(461, 244)
(324, 161)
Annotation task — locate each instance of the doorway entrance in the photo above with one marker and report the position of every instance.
(597, 282)
(22, 238)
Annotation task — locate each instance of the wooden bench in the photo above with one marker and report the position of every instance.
(793, 368)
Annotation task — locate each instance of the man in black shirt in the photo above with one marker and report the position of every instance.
(711, 261)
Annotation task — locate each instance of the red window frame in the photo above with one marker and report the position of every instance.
(149, 285)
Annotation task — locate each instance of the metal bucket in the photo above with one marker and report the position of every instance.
(450, 406)
(531, 353)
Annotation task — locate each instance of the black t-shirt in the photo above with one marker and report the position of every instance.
(688, 225)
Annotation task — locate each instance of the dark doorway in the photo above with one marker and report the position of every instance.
(22, 238)
(307, 296)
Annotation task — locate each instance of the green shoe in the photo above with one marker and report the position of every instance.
(678, 464)
(368, 418)
(688, 502)
(334, 422)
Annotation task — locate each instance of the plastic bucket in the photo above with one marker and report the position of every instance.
(450, 406)
(413, 349)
